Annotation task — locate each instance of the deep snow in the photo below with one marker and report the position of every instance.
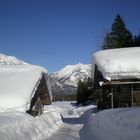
(64, 121)
(83, 123)
(121, 63)
(113, 124)
(74, 118)
(21, 126)
(17, 86)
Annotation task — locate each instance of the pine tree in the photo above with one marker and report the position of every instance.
(136, 40)
(106, 43)
(119, 36)
(80, 95)
(83, 94)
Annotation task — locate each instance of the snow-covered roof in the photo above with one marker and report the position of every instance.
(115, 64)
(17, 85)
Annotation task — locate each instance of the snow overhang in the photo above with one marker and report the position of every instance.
(17, 85)
(117, 64)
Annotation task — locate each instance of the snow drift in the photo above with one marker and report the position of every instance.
(22, 126)
(113, 124)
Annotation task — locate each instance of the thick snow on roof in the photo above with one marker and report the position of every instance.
(17, 85)
(121, 63)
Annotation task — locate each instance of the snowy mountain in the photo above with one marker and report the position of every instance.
(10, 60)
(71, 74)
(60, 88)
(65, 81)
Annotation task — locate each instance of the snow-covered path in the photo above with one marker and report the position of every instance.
(73, 121)
(59, 121)
(67, 132)
(66, 121)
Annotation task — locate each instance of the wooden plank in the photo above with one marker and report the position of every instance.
(112, 104)
(120, 83)
(132, 93)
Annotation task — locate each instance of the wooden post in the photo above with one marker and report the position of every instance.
(112, 100)
(132, 93)
(112, 103)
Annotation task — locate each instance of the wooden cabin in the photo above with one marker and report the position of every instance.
(116, 78)
(41, 96)
(24, 88)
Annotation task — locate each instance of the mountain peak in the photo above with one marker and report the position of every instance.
(64, 81)
(10, 60)
(71, 74)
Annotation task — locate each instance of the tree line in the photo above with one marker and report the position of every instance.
(118, 37)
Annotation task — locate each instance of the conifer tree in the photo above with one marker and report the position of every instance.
(80, 95)
(83, 94)
(136, 40)
(119, 36)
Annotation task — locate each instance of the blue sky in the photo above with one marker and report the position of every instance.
(55, 33)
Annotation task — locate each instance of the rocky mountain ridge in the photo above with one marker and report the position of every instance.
(64, 82)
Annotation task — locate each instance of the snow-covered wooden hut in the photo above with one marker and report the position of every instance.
(116, 77)
(24, 88)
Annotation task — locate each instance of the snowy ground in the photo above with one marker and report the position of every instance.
(16, 125)
(74, 118)
(61, 116)
(67, 132)
(113, 124)
(64, 121)
(82, 123)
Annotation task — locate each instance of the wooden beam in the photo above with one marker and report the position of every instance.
(112, 99)
(112, 104)
(132, 93)
(120, 82)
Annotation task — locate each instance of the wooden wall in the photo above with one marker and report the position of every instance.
(41, 98)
